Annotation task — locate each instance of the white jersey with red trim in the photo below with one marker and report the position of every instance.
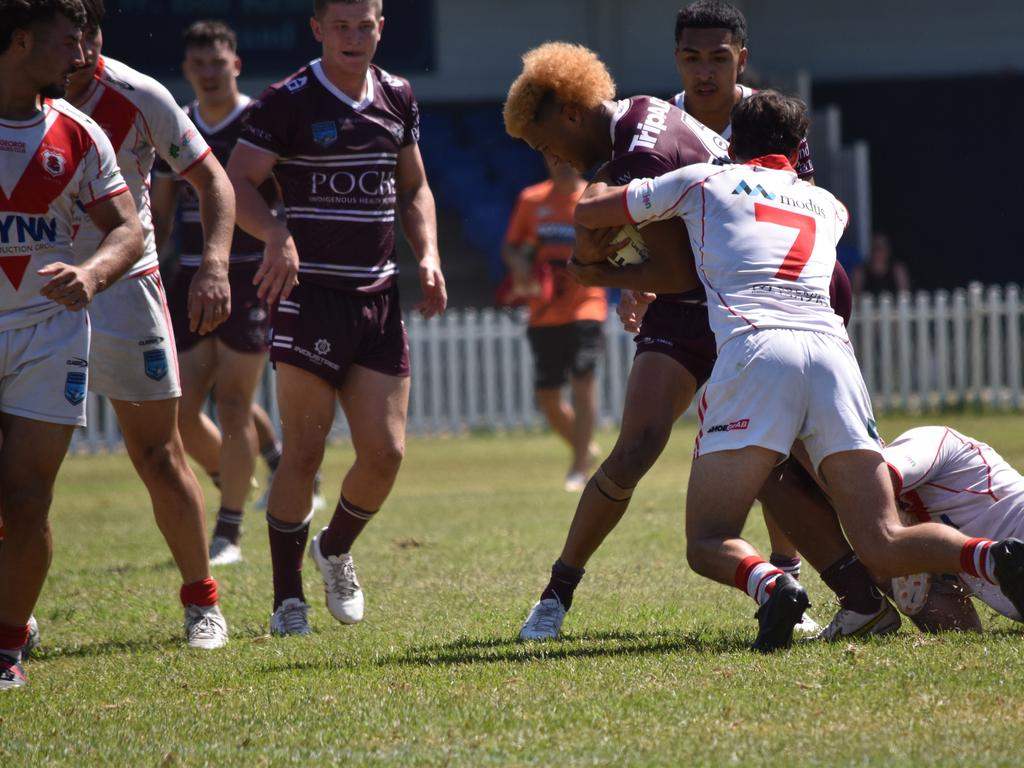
(946, 477)
(142, 120)
(764, 241)
(52, 168)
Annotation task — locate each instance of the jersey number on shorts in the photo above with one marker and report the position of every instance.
(803, 246)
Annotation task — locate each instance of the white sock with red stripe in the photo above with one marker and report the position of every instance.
(756, 577)
(976, 560)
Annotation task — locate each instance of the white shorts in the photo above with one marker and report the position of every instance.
(772, 387)
(44, 370)
(133, 354)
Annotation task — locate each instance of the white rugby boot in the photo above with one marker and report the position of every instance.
(847, 623)
(545, 620)
(223, 552)
(205, 627)
(343, 592)
(806, 627)
(290, 618)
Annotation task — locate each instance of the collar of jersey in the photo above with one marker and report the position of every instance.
(775, 162)
(358, 106)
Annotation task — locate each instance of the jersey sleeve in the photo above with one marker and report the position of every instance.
(522, 227)
(804, 166)
(657, 199)
(917, 456)
(176, 139)
(265, 125)
(637, 165)
(101, 178)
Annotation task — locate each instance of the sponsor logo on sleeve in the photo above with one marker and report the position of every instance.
(325, 133)
(297, 84)
(174, 151)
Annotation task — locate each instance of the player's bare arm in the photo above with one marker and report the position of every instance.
(668, 269)
(602, 206)
(415, 207)
(209, 294)
(75, 286)
(163, 196)
(248, 168)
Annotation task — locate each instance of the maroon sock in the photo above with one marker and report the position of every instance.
(853, 585)
(786, 564)
(347, 523)
(202, 593)
(229, 524)
(287, 545)
(272, 455)
(563, 583)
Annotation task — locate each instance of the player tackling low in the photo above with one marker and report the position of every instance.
(340, 137)
(53, 159)
(764, 246)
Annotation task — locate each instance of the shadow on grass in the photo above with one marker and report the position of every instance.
(106, 648)
(588, 645)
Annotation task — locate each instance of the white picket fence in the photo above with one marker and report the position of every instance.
(472, 369)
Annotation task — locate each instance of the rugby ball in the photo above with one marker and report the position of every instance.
(634, 251)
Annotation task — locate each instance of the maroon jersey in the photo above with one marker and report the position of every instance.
(651, 137)
(221, 138)
(336, 161)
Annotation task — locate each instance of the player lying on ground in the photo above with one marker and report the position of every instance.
(764, 245)
(562, 105)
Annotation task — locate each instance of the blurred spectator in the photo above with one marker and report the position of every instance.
(879, 273)
(566, 319)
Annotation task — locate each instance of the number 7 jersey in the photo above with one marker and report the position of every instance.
(764, 241)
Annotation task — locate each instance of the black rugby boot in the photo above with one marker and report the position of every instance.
(780, 613)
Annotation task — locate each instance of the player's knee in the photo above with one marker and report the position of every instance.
(384, 459)
(878, 551)
(233, 411)
(303, 456)
(699, 555)
(635, 453)
(159, 459)
(26, 508)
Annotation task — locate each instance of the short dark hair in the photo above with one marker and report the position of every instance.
(768, 123)
(319, 6)
(22, 14)
(713, 14)
(94, 13)
(209, 32)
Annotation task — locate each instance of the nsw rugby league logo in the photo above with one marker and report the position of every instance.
(325, 133)
(54, 162)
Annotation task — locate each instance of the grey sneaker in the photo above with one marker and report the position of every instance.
(545, 620)
(205, 627)
(290, 618)
(223, 552)
(341, 585)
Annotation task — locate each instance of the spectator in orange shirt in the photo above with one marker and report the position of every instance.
(566, 319)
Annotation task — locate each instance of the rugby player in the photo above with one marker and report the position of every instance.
(340, 137)
(566, 323)
(52, 160)
(562, 105)
(230, 360)
(132, 359)
(764, 244)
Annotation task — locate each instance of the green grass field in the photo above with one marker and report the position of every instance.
(654, 668)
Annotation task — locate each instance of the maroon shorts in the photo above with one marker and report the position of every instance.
(325, 331)
(680, 330)
(248, 325)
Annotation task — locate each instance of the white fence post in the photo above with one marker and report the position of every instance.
(1013, 341)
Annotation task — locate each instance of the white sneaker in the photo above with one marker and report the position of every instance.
(205, 627)
(806, 627)
(290, 618)
(223, 552)
(319, 502)
(847, 623)
(575, 482)
(341, 585)
(545, 620)
(33, 638)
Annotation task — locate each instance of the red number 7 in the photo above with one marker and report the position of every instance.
(803, 246)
